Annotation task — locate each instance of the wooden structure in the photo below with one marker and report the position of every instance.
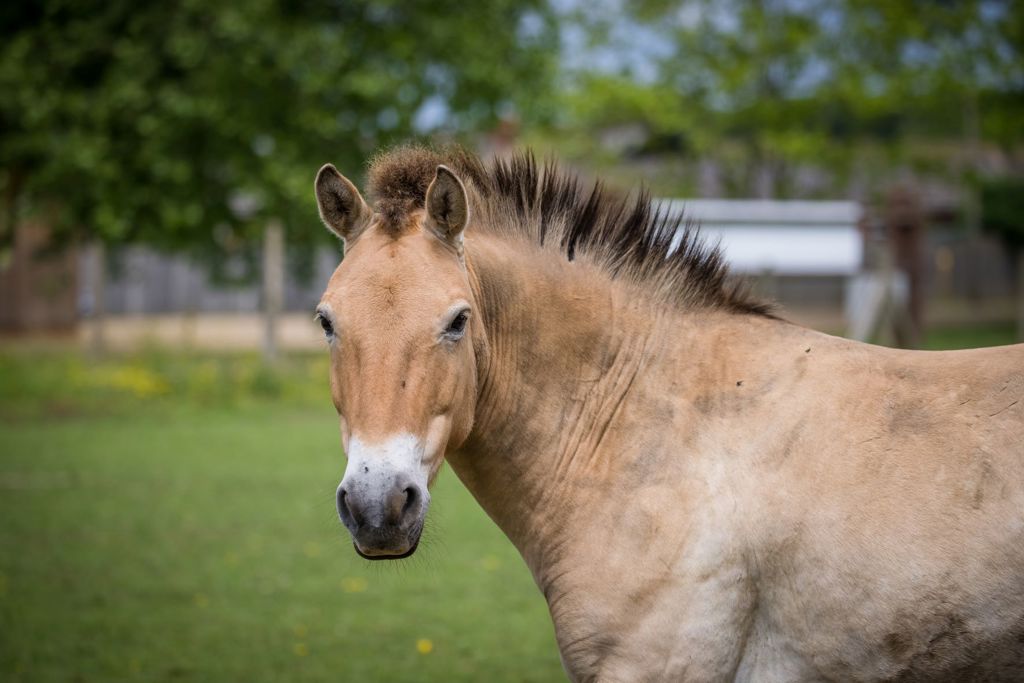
(38, 283)
(815, 241)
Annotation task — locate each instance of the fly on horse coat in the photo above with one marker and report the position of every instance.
(702, 491)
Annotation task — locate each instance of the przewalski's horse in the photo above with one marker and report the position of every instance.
(702, 491)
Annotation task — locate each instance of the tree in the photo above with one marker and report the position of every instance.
(1002, 203)
(148, 122)
(194, 125)
(768, 85)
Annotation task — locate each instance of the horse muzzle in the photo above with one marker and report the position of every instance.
(383, 526)
(383, 501)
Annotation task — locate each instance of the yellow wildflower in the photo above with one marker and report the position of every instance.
(354, 584)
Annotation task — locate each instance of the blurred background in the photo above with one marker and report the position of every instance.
(168, 452)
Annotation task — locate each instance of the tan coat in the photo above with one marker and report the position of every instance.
(754, 500)
(701, 493)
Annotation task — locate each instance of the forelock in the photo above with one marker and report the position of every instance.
(398, 180)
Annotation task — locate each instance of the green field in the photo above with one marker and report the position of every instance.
(993, 334)
(172, 519)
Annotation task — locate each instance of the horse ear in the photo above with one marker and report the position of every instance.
(447, 207)
(342, 208)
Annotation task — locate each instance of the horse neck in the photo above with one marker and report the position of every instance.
(564, 347)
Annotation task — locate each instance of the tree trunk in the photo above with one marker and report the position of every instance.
(190, 319)
(1020, 294)
(98, 291)
(273, 286)
(15, 181)
(972, 201)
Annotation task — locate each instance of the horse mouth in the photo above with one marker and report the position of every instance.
(390, 544)
(385, 556)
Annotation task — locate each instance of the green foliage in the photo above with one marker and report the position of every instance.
(1002, 209)
(852, 85)
(144, 121)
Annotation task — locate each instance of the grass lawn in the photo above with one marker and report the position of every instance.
(152, 534)
(997, 334)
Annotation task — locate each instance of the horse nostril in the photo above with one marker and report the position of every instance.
(412, 496)
(345, 507)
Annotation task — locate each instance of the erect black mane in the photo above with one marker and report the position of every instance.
(629, 237)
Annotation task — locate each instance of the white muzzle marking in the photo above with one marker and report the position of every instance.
(373, 468)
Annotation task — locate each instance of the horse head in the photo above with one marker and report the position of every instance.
(399, 318)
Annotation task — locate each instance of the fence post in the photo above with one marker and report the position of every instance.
(905, 227)
(273, 286)
(98, 291)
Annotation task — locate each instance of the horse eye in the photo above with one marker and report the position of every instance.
(457, 327)
(326, 325)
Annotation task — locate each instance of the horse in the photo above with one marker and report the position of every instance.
(702, 490)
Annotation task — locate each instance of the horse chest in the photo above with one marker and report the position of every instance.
(656, 622)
